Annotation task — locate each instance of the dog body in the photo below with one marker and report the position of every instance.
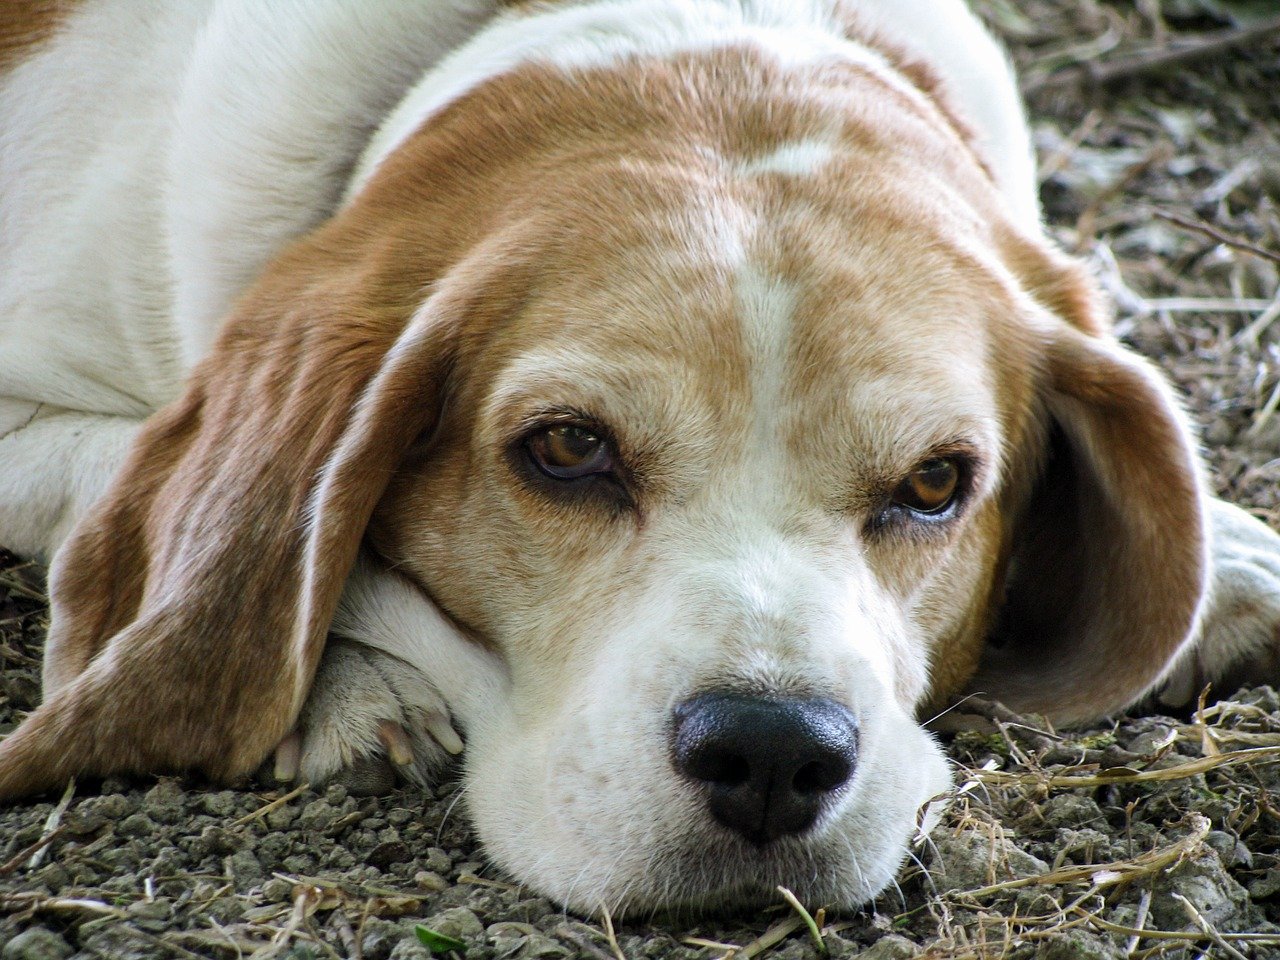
(668, 383)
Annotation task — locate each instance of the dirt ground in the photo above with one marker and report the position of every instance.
(1150, 836)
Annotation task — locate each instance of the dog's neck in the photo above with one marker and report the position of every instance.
(587, 34)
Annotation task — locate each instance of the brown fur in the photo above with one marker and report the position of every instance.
(25, 25)
(517, 205)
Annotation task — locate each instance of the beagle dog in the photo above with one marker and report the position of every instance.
(680, 398)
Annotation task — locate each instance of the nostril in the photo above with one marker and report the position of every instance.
(820, 777)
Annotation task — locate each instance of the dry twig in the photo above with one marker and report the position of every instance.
(1093, 74)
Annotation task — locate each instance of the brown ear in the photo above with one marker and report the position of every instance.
(1110, 552)
(190, 607)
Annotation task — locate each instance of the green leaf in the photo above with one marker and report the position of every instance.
(438, 942)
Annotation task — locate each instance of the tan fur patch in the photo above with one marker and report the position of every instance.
(25, 24)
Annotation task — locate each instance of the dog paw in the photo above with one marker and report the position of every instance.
(370, 721)
(1238, 643)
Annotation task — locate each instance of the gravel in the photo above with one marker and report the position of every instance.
(1166, 844)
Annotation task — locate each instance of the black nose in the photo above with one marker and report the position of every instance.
(769, 764)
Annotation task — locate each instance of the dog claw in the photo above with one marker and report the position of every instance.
(396, 741)
(288, 758)
(442, 732)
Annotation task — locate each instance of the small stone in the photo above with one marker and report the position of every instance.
(889, 947)
(1267, 885)
(296, 864)
(281, 818)
(510, 930)
(225, 909)
(409, 948)
(1231, 851)
(223, 803)
(1078, 945)
(340, 859)
(335, 795)
(972, 860)
(136, 825)
(430, 881)
(36, 943)
(531, 909)
(319, 814)
(379, 936)
(51, 875)
(245, 868)
(276, 890)
(1151, 738)
(1071, 810)
(458, 922)
(218, 841)
(1207, 885)
(151, 915)
(437, 861)
(399, 816)
(538, 945)
(165, 801)
(1219, 432)
(385, 854)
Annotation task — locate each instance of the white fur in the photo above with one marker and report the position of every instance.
(138, 203)
(797, 159)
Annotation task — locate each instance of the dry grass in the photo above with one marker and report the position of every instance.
(1158, 127)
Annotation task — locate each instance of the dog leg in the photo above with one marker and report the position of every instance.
(1238, 642)
(377, 710)
(371, 719)
(54, 464)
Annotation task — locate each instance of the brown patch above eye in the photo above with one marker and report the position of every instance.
(931, 487)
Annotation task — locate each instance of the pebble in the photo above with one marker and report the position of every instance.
(277, 891)
(458, 922)
(150, 914)
(972, 859)
(889, 947)
(244, 868)
(1078, 945)
(224, 803)
(430, 881)
(281, 818)
(136, 825)
(408, 948)
(1207, 885)
(538, 945)
(1072, 810)
(36, 943)
(319, 814)
(437, 861)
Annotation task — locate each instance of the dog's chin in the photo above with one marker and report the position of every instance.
(670, 857)
(713, 871)
(723, 874)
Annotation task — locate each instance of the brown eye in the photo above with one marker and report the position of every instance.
(930, 488)
(569, 452)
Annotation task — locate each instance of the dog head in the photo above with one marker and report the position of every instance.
(723, 402)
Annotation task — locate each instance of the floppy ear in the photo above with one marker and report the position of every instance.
(1109, 553)
(190, 607)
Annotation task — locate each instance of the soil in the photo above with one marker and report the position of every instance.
(1145, 836)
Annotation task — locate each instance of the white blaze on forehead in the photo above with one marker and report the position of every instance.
(766, 307)
(793, 159)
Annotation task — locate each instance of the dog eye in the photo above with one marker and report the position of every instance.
(568, 452)
(930, 488)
